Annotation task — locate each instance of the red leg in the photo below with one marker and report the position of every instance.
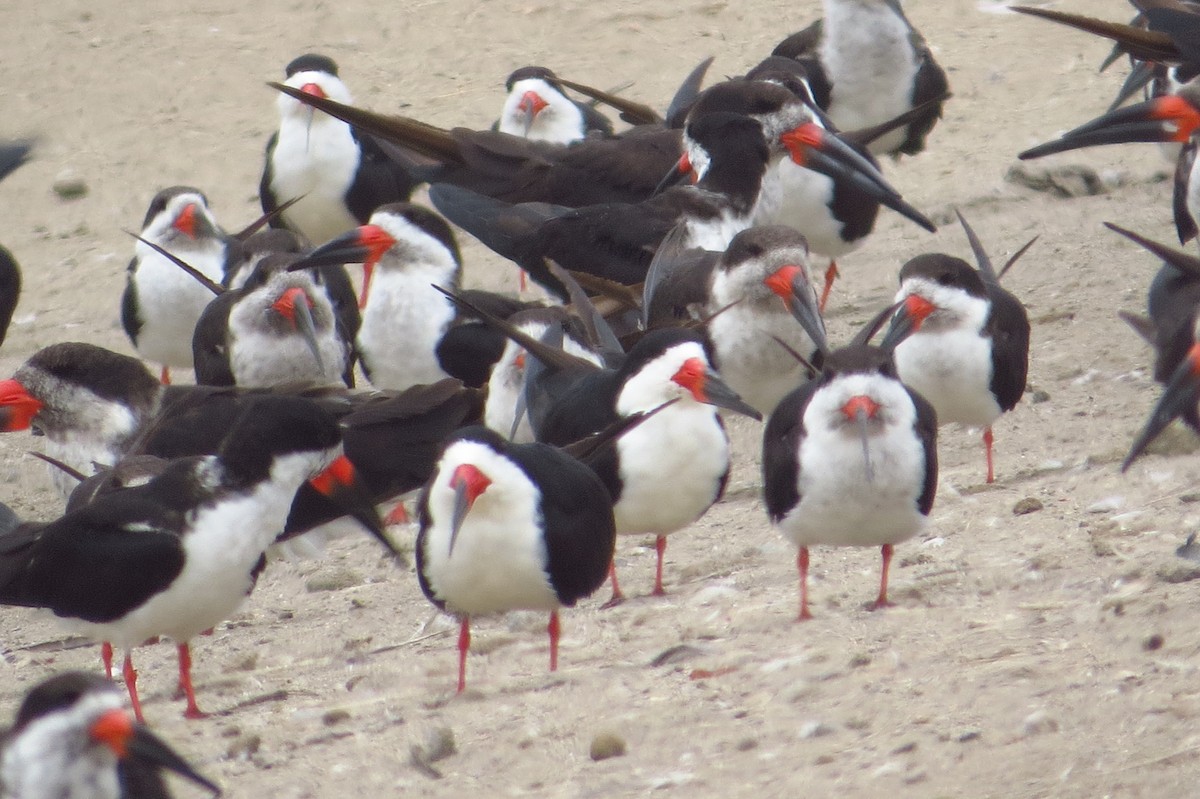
(802, 567)
(554, 629)
(398, 515)
(131, 685)
(882, 600)
(617, 597)
(464, 644)
(523, 282)
(987, 443)
(165, 377)
(185, 680)
(660, 547)
(106, 656)
(831, 274)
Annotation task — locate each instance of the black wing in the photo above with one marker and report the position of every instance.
(781, 451)
(1185, 223)
(1008, 325)
(577, 518)
(927, 432)
(210, 350)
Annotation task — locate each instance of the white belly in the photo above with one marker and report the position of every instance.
(799, 198)
(319, 164)
(953, 370)
(401, 328)
(170, 303)
(671, 469)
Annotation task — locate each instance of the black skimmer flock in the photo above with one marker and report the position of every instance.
(968, 350)
(664, 474)
(162, 303)
(336, 175)
(536, 107)
(73, 739)
(177, 555)
(509, 526)
(867, 64)
(850, 458)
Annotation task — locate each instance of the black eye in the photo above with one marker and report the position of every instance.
(946, 279)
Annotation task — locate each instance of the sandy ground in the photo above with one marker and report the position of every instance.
(1048, 654)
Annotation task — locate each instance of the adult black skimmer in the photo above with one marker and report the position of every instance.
(664, 474)
(850, 459)
(738, 291)
(537, 108)
(968, 354)
(339, 174)
(617, 241)
(279, 328)
(411, 334)
(178, 554)
(511, 527)
(161, 303)
(867, 64)
(93, 406)
(72, 739)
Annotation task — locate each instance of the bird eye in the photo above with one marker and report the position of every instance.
(946, 279)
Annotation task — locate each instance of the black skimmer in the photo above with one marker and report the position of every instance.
(738, 291)
(162, 303)
(968, 353)
(10, 290)
(93, 406)
(664, 474)
(279, 328)
(511, 527)
(411, 334)
(867, 64)
(616, 241)
(72, 739)
(177, 555)
(850, 459)
(537, 108)
(272, 241)
(339, 175)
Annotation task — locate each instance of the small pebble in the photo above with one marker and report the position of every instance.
(1037, 723)
(70, 187)
(815, 729)
(244, 748)
(606, 745)
(335, 717)
(1178, 573)
(746, 744)
(968, 735)
(1037, 397)
(1027, 505)
(1153, 643)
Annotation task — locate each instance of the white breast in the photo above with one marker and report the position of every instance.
(499, 559)
(839, 505)
(319, 162)
(871, 65)
(750, 360)
(402, 324)
(170, 301)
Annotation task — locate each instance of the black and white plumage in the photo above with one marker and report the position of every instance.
(850, 459)
(410, 333)
(280, 327)
(340, 175)
(667, 472)
(867, 64)
(969, 352)
(73, 739)
(536, 107)
(177, 555)
(162, 303)
(511, 526)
